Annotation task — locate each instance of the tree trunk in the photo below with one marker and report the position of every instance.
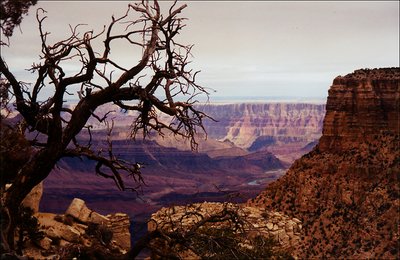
(31, 174)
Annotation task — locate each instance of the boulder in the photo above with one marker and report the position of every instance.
(57, 230)
(45, 243)
(78, 210)
(270, 225)
(63, 231)
(32, 200)
(97, 218)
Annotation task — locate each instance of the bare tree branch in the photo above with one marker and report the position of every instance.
(163, 65)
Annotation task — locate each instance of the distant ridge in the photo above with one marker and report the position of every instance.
(261, 99)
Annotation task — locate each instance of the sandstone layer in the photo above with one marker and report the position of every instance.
(346, 191)
(361, 105)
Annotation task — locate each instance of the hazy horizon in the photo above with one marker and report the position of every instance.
(245, 49)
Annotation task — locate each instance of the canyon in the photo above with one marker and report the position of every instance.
(284, 129)
(345, 192)
(226, 167)
(339, 200)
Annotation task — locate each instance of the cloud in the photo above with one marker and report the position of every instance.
(286, 48)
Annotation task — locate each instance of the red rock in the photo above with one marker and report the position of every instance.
(346, 190)
(361, 105)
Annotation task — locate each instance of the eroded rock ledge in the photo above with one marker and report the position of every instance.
(361, 105)
(80, 233)
(257, 222)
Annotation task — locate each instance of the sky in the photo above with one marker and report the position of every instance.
(252, 49)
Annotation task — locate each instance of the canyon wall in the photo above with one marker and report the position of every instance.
(244, 123)
(360, 105)
(346, 191)
(287, 130)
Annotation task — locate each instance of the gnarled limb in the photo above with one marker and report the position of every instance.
(104, 80)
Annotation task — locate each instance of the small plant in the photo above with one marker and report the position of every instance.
(265, 215)
(28, 227)
(223, 243)
(101, 232)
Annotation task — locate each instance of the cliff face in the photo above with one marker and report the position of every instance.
(346, 191)
(360, 105)
(283, 129)
(244, 123)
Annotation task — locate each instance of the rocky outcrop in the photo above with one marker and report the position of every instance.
(80, 232)
(119, 225)
(78, 210)
(346, 191)
(32, 200)
(258, 222)
(361, 105)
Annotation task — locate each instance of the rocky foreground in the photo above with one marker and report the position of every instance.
(209, 228)
(79, 233)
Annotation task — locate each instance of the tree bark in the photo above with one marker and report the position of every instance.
(31, 174)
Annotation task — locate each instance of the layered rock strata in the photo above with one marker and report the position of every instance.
(361, 105)
(244, 123)
(346, 191)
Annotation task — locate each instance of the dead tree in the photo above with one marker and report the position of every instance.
(149, 86)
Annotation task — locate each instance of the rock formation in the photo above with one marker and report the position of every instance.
(119, 225)
(243, 123)
(346, 191)
(78, 210)
(283, 129)
(32, 200)
(361, 105)
(257, 222)
(80, 233)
